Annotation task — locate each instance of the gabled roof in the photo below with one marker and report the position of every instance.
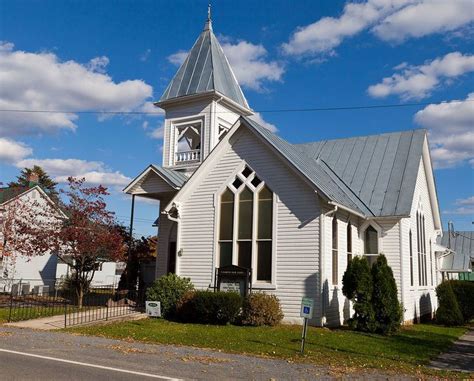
(380, 170)
(205, 69)
(174, 179)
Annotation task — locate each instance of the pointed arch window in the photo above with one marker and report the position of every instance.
(335, 270)
(371, 244)
(349, 242)
(410, 239)
(421, 246)
(246, 225)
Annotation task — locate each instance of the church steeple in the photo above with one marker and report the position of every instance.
(205, 69)
(201, 103)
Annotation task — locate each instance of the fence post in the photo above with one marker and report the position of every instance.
(11, 306)
(107, 310)
(65, 312)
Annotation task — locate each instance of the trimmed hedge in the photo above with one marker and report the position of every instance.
(261, 309)
(464, 291)
(208, 307)
(168, 290)
(448, 312)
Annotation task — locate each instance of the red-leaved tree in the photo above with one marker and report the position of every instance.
(89, 235)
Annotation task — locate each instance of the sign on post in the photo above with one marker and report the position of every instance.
(233, 278)
(306, 312)
(153, 309)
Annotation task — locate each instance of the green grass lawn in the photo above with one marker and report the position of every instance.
(28, 313)
(407, 351)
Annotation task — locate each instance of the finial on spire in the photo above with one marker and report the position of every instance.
(208, 25)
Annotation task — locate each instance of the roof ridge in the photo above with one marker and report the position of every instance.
(361, 136)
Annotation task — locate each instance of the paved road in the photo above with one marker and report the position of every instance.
(41, 355)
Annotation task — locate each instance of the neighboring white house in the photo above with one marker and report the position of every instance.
(40, 269)
(232, 192)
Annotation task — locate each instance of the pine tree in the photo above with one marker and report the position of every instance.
(388, 313)
(358, 287)
(46, 183)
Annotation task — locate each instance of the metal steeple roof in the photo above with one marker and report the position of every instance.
(205, 69)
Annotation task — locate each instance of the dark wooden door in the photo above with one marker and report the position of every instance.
(172, 257)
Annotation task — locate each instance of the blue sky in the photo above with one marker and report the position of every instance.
(108, 55)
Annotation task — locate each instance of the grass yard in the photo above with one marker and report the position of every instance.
(28, 313)
(407, 352)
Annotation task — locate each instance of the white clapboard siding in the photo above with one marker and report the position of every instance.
(151, 184)
(297, 236)
(419, 300)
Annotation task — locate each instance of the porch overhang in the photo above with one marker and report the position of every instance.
(156, 183)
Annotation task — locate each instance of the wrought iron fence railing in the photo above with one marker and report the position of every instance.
(98, 303)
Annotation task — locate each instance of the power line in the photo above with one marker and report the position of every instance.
(310, 109)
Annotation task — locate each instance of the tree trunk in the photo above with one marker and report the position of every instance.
(80, 296)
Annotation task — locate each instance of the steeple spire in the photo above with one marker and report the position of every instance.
(208, 24)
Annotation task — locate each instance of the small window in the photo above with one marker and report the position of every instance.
(256, 181)
(335, 274)
(349, 243)
(410, 239)
(371, 244)
(237, 183)
(247, 172)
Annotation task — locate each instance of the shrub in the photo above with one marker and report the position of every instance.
(208, 307)
(358, 286)
(261, 309)
(168, 290)
(464, 291)
(387, 309)
(448, 312)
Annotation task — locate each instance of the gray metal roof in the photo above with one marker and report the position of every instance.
(205, 69)
(174, 178)
(381, 170)
(460, 242)
(374, 175)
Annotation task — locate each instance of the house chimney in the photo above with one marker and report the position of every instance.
(33, 178)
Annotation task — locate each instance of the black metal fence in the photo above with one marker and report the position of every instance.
(98, 303)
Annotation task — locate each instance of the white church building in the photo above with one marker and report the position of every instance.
(232, 192)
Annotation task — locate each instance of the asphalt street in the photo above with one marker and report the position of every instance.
(27, 354)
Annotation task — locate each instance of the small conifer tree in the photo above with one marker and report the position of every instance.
(448, 312)
(387, 308)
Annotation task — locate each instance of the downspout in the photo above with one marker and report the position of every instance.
(322, 250)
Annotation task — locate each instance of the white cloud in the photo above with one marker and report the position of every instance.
(95, 172)
(159, 132)
(40, 81)
(451, 131)
(248, 61)
(417, 82)
(178, 57)
(259, 119)
(144, 57)
(464, 206)
(424, 18)
(389, 20)
(12, 151)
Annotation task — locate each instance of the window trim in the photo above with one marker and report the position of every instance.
(334, 250)
(379, 231)
(173, 138)
(269, 285)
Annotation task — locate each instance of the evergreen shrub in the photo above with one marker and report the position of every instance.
(448, 312)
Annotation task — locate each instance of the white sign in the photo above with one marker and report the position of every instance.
(307, 308)
(153, 309)
(230, 286)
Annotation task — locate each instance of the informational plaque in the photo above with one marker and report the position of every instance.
(233, 279)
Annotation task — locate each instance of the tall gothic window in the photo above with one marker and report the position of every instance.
(349, 242)
(410, 238)
(371, 244)
(247, 240)
(335, 274)
(421, 245)
(226, 228)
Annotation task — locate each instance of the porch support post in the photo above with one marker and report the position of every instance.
(129, 278)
